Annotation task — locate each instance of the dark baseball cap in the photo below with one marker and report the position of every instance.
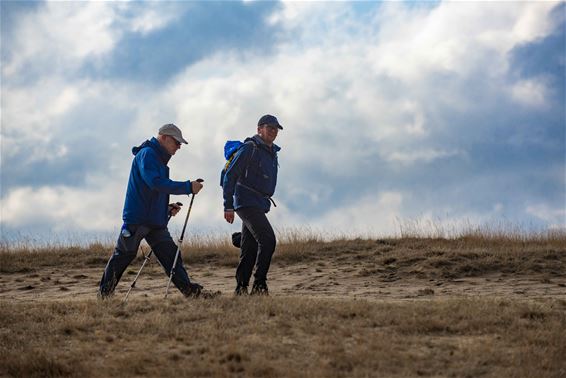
(268, 119)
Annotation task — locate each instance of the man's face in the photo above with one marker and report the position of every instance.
(171, 145)
(268, 133)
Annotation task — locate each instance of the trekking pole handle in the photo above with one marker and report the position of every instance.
(188, 213)
(170, 215)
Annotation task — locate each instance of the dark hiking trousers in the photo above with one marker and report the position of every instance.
(257, 245)
(163, 246)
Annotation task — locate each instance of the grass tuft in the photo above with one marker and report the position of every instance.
(283, 336)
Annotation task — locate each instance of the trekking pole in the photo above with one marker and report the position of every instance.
(180, 242)
(145, 261)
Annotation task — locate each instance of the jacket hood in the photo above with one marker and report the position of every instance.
(257, 140)
(154, 144)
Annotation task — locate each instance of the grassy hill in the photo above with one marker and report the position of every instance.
(466, 307)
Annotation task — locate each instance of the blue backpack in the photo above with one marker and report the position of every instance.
(230, 149)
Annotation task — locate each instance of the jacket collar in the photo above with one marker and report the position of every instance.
(154, 144)
(257, 139)
(162, 152)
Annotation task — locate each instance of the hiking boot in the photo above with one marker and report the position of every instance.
(260, 288)
(193, 290)
(241, 290)
(104, 296)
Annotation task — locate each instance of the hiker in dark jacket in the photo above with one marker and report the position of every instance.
(146, 211)
(249, 183)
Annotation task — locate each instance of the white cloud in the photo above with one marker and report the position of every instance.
(531, 92)
(152, 16)
(346, 92)
(31, 114)
(422, 156)
(303, 15)
(454, 37)
(554, 216)
(532, 23)
(373, 215)
(35, 117)
(63, 208)
(61, 36)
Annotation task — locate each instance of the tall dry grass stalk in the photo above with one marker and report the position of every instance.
(499, 230)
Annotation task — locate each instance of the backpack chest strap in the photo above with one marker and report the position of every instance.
(257, 192)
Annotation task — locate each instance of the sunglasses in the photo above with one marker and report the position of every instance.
(176, 141)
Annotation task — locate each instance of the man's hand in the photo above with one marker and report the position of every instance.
(229, 216)
(196, 186)
(174, 208)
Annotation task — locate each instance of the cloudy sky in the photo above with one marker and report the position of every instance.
(433, 112)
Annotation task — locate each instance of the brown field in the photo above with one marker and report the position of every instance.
(478, 305)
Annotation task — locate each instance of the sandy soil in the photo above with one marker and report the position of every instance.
(323, 279)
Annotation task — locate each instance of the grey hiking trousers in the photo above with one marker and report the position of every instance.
(163, 246)
(257, 245)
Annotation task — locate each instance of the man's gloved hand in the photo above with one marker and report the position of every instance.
(196, 185)
(174, 208)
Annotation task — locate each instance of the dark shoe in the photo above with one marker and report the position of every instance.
(103, 296)
(193, 290)
(241, 290)
(260, 288)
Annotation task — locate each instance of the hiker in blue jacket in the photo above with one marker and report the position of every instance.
(146, 211)
(248, 184)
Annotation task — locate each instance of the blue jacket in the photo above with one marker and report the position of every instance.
(149, 186)
(251, 178)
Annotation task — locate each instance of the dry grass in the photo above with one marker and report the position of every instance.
(27, 259)
(466, 256)
(426, 334)
(283, 336)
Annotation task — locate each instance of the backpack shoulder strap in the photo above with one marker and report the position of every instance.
(254, 144)
(255, 147)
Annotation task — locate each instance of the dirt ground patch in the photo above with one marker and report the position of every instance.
(347, 308)
(318, 281)
(390, 269)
